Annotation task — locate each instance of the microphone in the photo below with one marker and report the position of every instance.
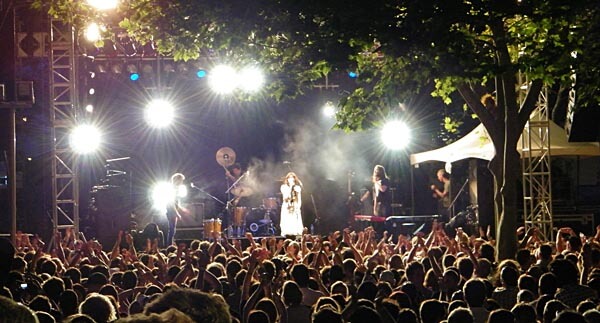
(286, 162)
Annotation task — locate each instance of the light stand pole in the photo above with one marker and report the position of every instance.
(12, 163)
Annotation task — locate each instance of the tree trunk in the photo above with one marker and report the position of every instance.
(507, 225)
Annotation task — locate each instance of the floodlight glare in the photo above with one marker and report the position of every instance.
(103, 4)
(182, 191)
(159, 113)
(395, 135)
(329, 109)
(223, 79)
(163, 193)
(85, 139)
(89, 108)
(251, 79)
(92, 32)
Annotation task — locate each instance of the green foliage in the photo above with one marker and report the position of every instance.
(397, 47)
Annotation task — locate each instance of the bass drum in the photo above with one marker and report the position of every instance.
(262, 222)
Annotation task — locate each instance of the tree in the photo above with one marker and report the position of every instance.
(399, 48)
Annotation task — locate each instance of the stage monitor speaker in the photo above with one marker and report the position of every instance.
(113, 214)
(195, 217)
(188, 234)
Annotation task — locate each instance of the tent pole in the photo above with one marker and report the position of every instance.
(412, 191)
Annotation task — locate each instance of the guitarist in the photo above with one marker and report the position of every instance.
(174, 208)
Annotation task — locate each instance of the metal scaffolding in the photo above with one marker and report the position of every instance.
(536, 165)
(63, 97)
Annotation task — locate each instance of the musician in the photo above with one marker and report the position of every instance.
(381, 193)
(174, 209)
(234, 172)
(443, 196)
(291, 215)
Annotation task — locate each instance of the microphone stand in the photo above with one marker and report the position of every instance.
(451, 207)
(205, 192)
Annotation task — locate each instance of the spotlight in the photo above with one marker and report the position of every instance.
(329, 109)
(133, 72)
(251, 79)
(201, 73)
(182, 68)
(223, 79)
(169, 68)
(103, 4)
(163, 193)
(101, 68)
(395, 135)
(117, 68)
(159, 113)
(92, 32)
(85, 139)
(89, 108)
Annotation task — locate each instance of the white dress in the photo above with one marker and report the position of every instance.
(291, 215)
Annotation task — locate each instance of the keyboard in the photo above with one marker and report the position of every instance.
(369, 218)
(412, 218)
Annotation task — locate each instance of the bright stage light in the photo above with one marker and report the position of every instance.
(223, 79)
(395, 135)
(85, 139)
(89, 108)
(182, 191)
(159, 113)
(329, 109)
(92, 32)
(103, 4)
(133, 72)
(251, 79)
(163, 193)
(201, 74)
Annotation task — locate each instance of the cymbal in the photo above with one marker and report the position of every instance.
(242, 191)
(225, 156)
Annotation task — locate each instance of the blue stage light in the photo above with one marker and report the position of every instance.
(201, 74)
(352, 74)
(134, 76)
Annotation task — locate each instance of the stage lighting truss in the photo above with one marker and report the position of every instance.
(148, 70)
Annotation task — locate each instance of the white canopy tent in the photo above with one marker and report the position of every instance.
(477, 144)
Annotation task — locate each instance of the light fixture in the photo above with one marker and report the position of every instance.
(159, 113)
(395, 135)
(85, 139)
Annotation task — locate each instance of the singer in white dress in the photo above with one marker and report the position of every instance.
(291, 213)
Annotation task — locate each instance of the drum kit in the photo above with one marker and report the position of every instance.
(260, 220)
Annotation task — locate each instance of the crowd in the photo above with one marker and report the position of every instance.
(347, 276)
